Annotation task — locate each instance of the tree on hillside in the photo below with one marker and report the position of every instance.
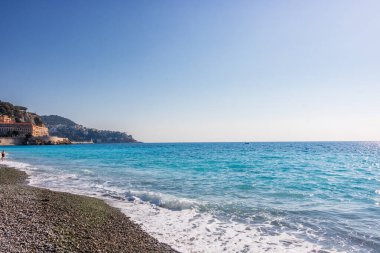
(38, 121)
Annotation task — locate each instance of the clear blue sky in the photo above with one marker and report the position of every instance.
(198, 70)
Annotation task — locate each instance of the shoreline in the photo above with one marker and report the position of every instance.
(180, 231)
(37, 219)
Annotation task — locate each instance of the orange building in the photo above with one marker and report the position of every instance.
(8, 126)
(39, 130)
(5, 119)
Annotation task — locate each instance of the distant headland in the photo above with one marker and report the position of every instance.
(20, 127)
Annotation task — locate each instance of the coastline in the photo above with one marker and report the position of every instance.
(184, 206)
(35, 219)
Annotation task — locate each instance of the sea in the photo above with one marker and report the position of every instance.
(226, 197)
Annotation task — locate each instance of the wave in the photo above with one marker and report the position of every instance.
(19, 165)
(161, 200)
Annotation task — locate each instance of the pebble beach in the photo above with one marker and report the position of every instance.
(40, 220)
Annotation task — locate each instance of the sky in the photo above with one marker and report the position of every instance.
(193, 71)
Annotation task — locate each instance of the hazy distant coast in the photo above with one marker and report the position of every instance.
(40, 220)
(20, 127)
(79, 134)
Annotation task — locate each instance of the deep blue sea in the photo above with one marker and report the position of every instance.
(232, 197)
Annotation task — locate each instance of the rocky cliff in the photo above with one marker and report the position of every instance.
(19, 113)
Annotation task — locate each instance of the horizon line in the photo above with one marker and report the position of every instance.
(179, 142)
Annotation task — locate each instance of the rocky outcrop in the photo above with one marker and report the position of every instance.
(48, 140)
(19, 113)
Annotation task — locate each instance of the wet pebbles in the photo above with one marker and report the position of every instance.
(40, 220)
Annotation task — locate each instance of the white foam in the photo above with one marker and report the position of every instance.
(186, 229)
(87, 171)
(161, 200)
(191, 231)
(18, 165)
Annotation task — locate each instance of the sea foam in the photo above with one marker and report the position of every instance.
(191, 231)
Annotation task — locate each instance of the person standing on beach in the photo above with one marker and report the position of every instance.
(2, 155)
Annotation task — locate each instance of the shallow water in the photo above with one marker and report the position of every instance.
(210, 197)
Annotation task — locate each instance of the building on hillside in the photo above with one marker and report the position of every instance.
(39, 130)
(5, 119)
(8, 127)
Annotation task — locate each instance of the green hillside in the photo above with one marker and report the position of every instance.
(63, 127)
(19, 113)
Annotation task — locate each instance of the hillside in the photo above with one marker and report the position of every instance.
(63, 127)
(55, 120)
(19, 113)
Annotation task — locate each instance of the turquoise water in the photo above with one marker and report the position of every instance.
(287, 197)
